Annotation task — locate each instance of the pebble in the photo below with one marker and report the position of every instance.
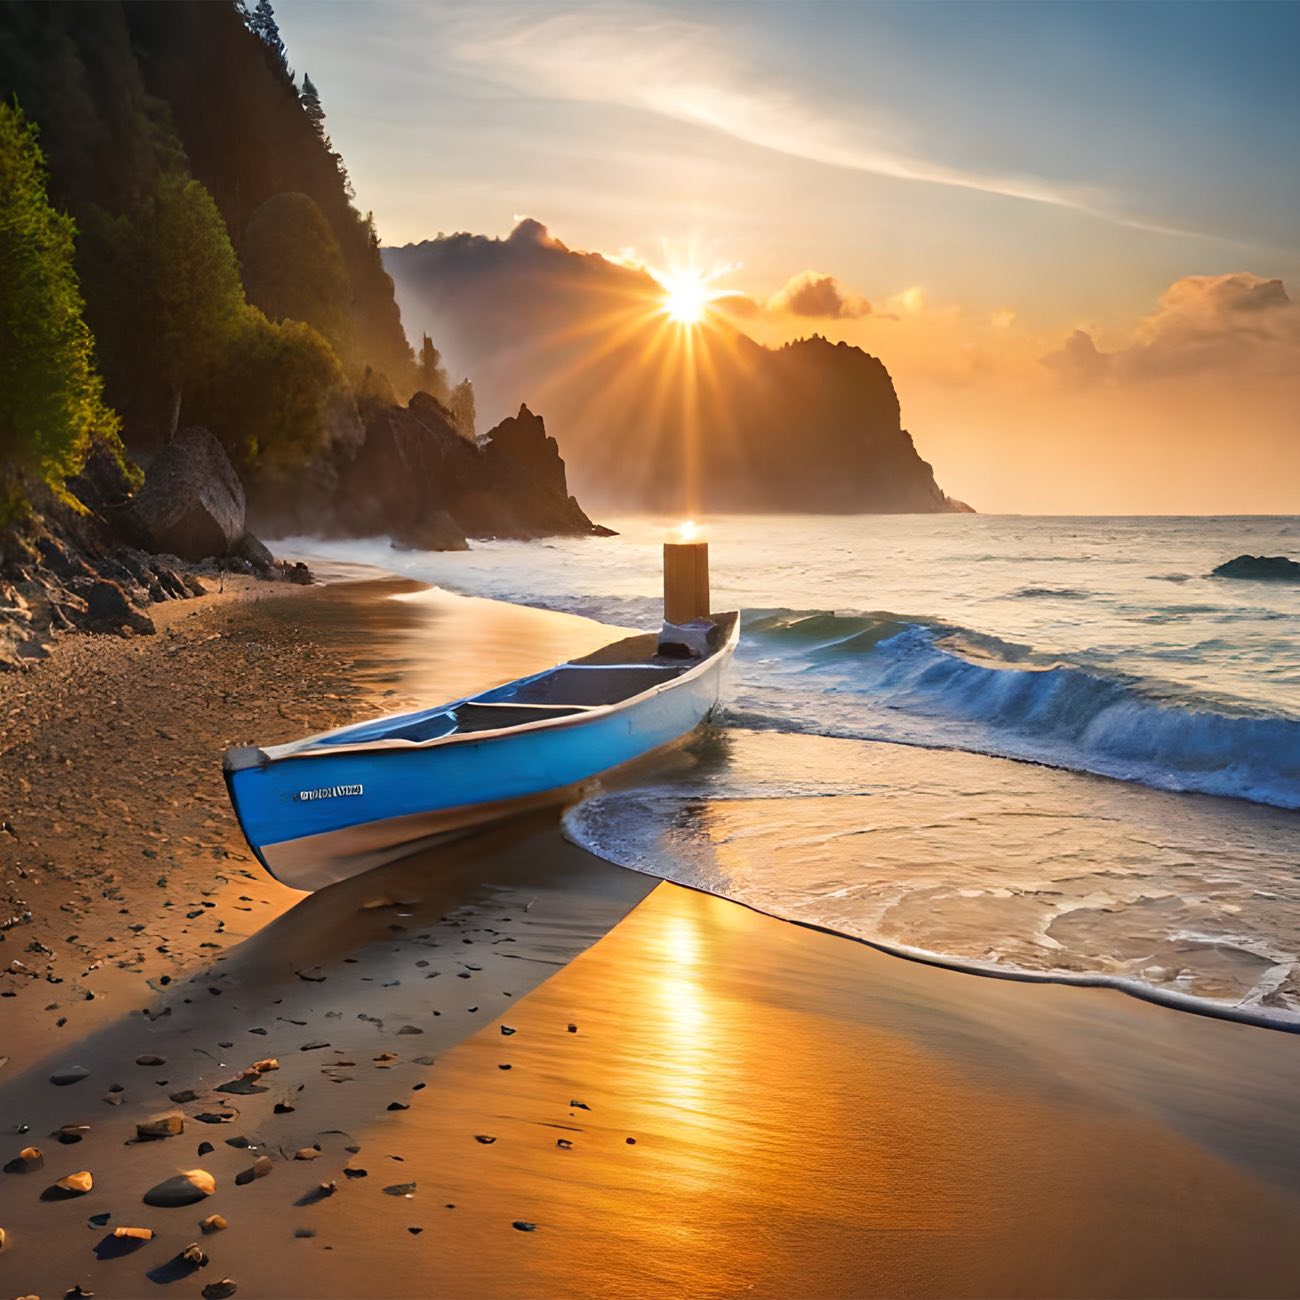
(134, 1234)
(307, 1153)
(304, 1232)
(283, 1108)
(183, 1097)
(263, 1066)
(484, 1138)
(27, 1161)
(205, 1147)
(186, 1188)
(400, 1189)
(72, 1074)
(71, 1133)
(193, 1256)
(506, 1031)
(2, 1238)
(150, 1060)
(522, 1225)
(398, 1105)
(162, 1126)
(213, 1223)
(78, 1184)
(219, 1290)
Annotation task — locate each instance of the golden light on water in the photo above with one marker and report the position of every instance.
(687, 531)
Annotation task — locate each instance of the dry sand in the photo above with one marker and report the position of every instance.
(701, 1102)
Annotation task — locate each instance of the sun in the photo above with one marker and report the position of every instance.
(687, 295)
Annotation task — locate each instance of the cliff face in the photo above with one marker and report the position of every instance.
(652, 420)
(421, 482)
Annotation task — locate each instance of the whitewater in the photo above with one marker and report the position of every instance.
(1082, 648)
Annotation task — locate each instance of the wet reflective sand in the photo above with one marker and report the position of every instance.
(812, 1118)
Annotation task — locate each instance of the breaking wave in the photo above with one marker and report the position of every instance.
(886, 677)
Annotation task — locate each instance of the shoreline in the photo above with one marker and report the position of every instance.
(806, 1113)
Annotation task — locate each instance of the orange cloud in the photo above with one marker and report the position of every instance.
(1202, 323)
(813, 293)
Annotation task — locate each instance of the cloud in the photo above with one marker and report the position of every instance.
(812, 293)
(639, 57)
(1202, 323)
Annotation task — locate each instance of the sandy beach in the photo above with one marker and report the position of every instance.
(505, 1067)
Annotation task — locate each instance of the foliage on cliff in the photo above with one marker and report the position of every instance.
(51, 394)
(175, 134)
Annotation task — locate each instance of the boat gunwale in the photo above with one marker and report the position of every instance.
(309, 746)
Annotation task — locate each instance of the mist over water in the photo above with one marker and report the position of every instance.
(1098, 646)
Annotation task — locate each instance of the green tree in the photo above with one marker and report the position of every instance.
(293, 268)
(191, 298)
(51, 395)
(278, 399)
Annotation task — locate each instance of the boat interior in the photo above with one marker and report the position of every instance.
(610, 675)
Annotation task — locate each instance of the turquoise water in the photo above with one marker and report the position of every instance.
(1097, 647)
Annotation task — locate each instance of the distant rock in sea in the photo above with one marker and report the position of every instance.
(1260, 568)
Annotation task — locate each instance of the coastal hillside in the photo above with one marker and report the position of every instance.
(653, 419)
(199, 339)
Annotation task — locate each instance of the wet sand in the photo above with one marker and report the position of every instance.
(807, 1116)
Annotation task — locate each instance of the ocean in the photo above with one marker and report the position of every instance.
(1091, 767)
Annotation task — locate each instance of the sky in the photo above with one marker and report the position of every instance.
(1060, 225)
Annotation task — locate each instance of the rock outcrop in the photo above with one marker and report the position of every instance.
(1260, 568)
(192, 502)
(418, 480)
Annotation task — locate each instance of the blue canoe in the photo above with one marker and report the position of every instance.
(322, 809)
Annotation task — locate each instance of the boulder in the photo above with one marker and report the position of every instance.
(192, 502)
(297, 572)
(1260, 568)
(434, 531)
(249, 548)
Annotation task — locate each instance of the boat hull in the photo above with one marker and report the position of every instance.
(317, 818)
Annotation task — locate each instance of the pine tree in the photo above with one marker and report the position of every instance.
(462, 407)
(432, 377)
(311, 105)
(51, 395)
(263, 25)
